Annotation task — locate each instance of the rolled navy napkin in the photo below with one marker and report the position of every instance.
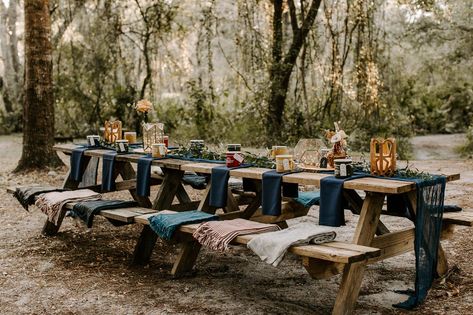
(271, 192)
(78, 163)
(219, 185)
(331, 211)
(143, 176)
(108, 167)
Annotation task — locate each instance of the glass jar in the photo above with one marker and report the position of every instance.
(121, 146)
(324, 158)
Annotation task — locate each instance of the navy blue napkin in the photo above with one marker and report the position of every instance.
(78, 163)
(108, 167)
(271, 192)
(143, 176)
(219, 185)
(331, 211)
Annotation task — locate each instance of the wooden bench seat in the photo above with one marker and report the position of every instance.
(339, 252)
(464, 218)
(123, 214)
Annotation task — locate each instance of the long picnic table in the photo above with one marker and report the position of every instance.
(369, 232)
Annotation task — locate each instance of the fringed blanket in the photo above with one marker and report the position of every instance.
(218, 234)
(51, 203)
(26, 195)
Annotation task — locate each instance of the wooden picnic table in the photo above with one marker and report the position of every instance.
(370, 231)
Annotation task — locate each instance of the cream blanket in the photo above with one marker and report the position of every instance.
(271, 247)
(52, 203)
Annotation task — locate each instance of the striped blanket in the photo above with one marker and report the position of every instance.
(218, 234)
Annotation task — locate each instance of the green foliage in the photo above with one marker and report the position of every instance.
(205, 67)
(467, 149)
(10, 122)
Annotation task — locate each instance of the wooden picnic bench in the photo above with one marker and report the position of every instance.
(372, 240)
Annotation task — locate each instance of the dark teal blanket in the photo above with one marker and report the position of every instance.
(166, 224)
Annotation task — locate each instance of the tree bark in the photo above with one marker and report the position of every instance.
(282, 66)
(38, 106)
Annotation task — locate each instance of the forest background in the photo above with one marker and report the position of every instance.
(382, 68)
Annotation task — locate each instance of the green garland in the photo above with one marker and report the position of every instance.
(256, 160)
(406, 172)
(207, 154)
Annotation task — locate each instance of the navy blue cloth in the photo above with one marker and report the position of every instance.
(108, 168)
(219, 185)
(397, 205)
(86, 210)
(78, 163)
(196, 181)
(271, 192)
(428, 225)
(143, 176)
(332, 202)
(451, 208)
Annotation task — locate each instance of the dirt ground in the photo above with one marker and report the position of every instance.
(87, 271)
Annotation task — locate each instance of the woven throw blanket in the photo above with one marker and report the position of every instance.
(165, 224)
(271, 247)
(218, 234)
(52, 203)
(26, 195)
(86, 210)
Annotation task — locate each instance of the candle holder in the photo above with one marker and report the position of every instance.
(152, 133)
(112, 131)
(383, 157)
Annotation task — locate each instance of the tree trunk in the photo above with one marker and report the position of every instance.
(281, 69)
(38, 106)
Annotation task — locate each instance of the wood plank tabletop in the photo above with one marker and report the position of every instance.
(371, 184)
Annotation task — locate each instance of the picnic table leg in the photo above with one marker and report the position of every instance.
(353, 273)
(126, 171)
(190, 250)
(187, 257)
(204, 202)
(182, 194)
(167, 192)
(357, 204)
(144, 247)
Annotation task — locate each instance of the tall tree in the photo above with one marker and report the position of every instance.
(38, 106)
(283, 63)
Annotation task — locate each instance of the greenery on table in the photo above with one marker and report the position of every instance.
(407, 172)
(207, 154)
